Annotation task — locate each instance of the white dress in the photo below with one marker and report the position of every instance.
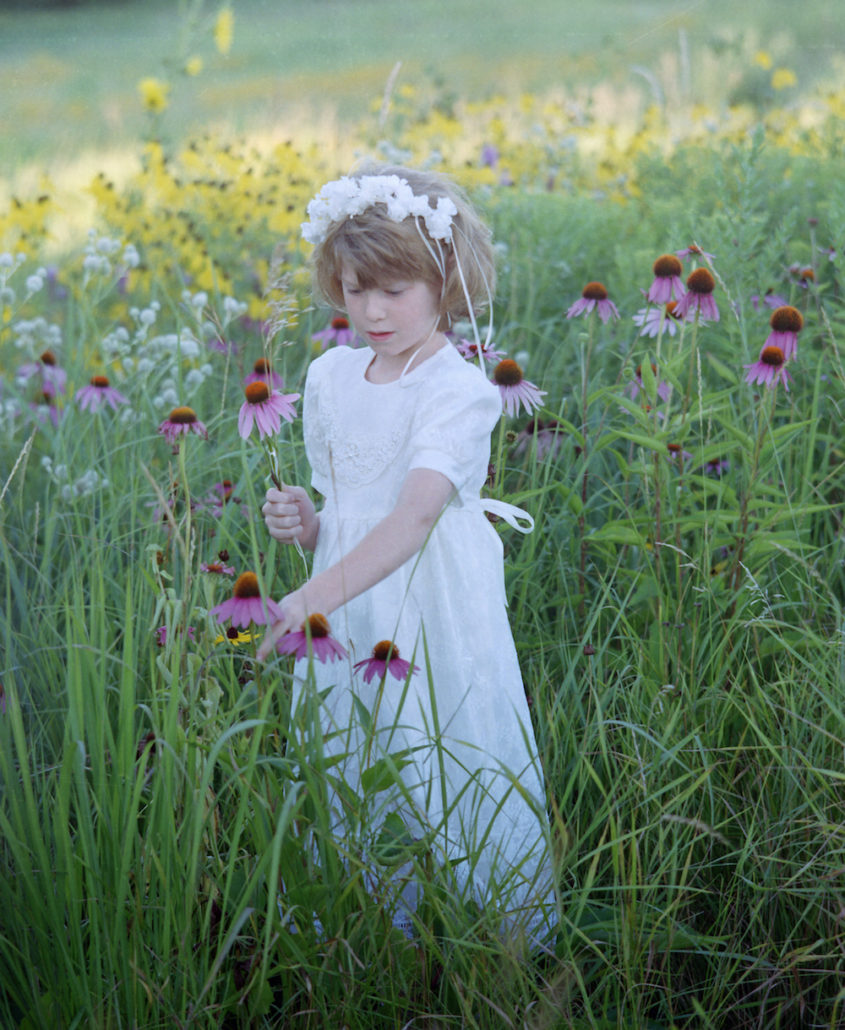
(473, 775)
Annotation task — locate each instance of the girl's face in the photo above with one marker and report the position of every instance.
(396, 319)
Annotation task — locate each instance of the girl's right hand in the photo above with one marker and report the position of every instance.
(290, 515)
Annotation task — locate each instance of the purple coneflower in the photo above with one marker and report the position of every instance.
(322, 643)
(246, 604)
(769, 368)
(656, 319)
(693, 250)
(786, 322)
(515, 389)
(699, 296)
(770, 299)
(470, 352)
(161, 635)
(594, 296)
(337, 333)
(217, 568)
(676, 451)
(97, 393)
(45, 410)
(53, 378)
(180, 422)
(667, 280)
(547, 433)
(716, 467)
(265, 408)
(664, 390)
(385, 658)
(262, 372)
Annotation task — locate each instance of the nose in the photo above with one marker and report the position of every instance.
(373, 305)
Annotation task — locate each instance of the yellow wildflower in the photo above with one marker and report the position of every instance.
(154, 94)
(193, 66)
(763, 60)
(223, 28)
(783, 78)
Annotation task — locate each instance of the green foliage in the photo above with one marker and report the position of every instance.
(165, 852)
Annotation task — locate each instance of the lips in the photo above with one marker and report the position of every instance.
(379, 337)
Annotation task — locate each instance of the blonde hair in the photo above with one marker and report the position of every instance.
(376, 249)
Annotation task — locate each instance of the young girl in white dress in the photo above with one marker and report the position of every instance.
(405, 559)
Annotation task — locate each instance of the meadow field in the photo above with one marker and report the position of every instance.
(665, 185)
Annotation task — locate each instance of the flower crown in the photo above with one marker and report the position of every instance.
(347, 197)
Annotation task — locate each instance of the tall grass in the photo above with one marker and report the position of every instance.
(165, 813)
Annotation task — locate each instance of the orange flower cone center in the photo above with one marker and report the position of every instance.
(101, 382)
(246, 585)
(666, 266)
(340, 322)
(261, 367)
(183, 416)
(786, 320)
(384, 650)
(701, 281)
(257, 393)
(507, 373)
(318, 625)
(594, 291)
(48, 358)
(772, 355)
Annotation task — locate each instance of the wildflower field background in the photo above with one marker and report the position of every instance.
(677, 610)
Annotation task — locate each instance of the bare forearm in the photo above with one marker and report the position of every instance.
(390, 544)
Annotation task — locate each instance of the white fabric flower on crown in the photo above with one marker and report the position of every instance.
(347, 197)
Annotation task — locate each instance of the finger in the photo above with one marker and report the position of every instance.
(268, 644)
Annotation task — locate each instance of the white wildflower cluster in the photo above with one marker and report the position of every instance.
(344, 198)
(102, 253)
(35, 335)
(163, 357)
(233, 309)
(35, 282)
(9, 264)
(83, 486)
(99, 255)
(210, 328)
(10, 411)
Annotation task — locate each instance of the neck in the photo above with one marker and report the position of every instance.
(386, 369)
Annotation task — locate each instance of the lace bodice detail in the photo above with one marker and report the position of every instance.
(438, 416)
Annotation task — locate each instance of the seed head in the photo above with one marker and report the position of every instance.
(246, 585)
(594, 291)
(257, 392)
(786, 320)
(667, 266)
(701, 281)
(507, 373)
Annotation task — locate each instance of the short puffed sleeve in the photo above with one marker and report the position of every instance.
(452, 427)
(314, 420)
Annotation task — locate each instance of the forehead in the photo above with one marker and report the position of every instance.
(360, 276)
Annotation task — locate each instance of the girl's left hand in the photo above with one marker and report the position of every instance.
(294, 613)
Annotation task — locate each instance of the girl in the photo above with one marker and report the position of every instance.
(398, 437)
